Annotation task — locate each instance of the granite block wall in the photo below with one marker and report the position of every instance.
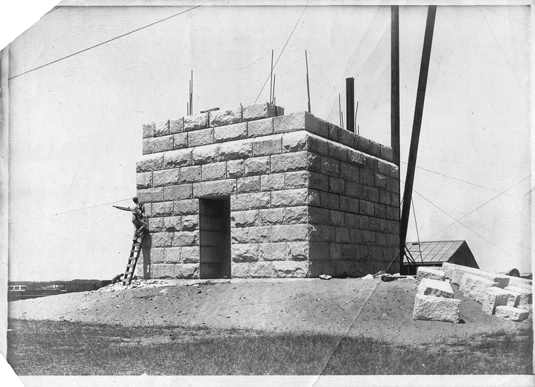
(306, 197)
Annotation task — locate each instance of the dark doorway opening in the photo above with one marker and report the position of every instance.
(214, 237)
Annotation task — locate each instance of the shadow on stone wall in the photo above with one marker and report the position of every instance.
(145, 252)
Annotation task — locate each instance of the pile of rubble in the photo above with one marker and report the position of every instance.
(506, 297)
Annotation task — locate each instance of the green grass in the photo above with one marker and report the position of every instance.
(66, 348)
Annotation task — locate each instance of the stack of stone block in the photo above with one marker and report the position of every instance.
(306, 197)
(435, 298)
(493, 291)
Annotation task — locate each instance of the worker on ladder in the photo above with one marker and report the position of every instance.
(138, 213)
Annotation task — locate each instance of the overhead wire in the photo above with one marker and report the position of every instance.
(277, 61)
(417, 232)
(68, 212)
(467, 182)
(503, 54)
(464, 225)
(477, 208)
(102, 43)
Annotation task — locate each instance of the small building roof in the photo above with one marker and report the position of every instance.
(430, 252)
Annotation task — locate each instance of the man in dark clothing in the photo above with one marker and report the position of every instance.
(138, 213)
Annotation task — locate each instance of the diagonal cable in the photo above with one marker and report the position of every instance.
(465, 226)
(68, 212)
(102, 43)
(506, 61)
(462, 224)
(466, 182)
(277, 61)
(475, 209)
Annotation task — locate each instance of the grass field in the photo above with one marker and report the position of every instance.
(67, 348)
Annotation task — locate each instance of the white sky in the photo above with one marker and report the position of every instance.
(75, 125)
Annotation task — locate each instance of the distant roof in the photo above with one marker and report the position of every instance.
(433, 251)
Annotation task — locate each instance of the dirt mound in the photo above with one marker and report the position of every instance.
(370, 308)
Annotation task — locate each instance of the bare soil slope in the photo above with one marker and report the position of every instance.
(370, 308)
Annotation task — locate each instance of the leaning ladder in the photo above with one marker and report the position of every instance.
(132, 260)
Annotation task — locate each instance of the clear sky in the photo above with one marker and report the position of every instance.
(75, 125)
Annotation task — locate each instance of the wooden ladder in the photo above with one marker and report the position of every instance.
(132, 260)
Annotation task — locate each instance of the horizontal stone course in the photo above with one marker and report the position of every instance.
(225, 117)
(230, 133)
(157, 144)
(301, 190)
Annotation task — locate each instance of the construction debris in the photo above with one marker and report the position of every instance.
(494, 291)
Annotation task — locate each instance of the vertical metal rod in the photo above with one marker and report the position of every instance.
(271, 80)
(394, 84)
(416, 126)
(308, 84)
(350, 104)
(191, 95)
(356, 113)
(189, 98)
(274, 77)
(187, 108)
(340, 110)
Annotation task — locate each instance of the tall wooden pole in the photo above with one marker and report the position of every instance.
(394, 83)
(416, 126)
(350, 104)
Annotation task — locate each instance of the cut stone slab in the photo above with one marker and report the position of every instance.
(456, 273)
(431, 287)
(448, 269)
(436, 308)
(519, 282)
(525, 297)
(474, 286)
(514, 299)
(493, 297)
(431, 273)
(511, 313)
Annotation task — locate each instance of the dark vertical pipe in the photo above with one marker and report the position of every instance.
(191, 96)
(271, 80)
(350, 104)
(394, 83)
(340, 111)
(416, 126)
(308, 85)
(274, 79)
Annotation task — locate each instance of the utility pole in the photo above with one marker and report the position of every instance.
(394, 83)
(415, 137)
